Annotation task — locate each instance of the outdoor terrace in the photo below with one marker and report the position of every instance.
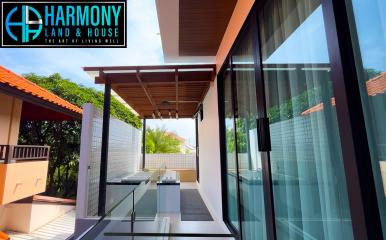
(23, 171)
(153, 201)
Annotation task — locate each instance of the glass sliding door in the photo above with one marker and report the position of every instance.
(368, 25)
(309, 188)
(250, 168)
(230, 150)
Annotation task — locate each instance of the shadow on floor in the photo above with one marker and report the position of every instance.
(193, 207)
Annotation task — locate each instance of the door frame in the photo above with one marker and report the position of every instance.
(364, 211)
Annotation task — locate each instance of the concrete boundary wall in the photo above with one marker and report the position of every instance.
(171, 160)
(124, 156)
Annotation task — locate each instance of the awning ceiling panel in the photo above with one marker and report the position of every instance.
(202, 24)
(159, 91)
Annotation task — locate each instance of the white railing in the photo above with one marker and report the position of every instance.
(171, 160)
(14, 153)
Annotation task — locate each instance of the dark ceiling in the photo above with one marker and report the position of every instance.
(202, 24)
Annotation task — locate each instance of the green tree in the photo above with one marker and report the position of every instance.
(159, 141)
(64, 136)
(370, 73)
(64, 139)
(79, 95)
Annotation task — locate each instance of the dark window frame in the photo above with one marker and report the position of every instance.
(197, 149)
(221, 111)
(362, 198)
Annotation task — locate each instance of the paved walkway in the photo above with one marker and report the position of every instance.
(59, 229)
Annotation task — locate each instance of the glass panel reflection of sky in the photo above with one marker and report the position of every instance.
(303, 41)
(371, 28)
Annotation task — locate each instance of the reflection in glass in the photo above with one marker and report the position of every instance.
(250, 172)
(231, 174)
(371, 67)
(310, 196)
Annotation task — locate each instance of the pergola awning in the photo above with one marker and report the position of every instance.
(163, 91)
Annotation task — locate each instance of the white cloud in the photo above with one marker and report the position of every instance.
(143, 48)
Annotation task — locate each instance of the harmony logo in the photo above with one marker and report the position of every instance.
(51, 23)
(28, 26)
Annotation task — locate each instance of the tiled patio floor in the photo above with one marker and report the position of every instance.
(189, 185)
(59, 229)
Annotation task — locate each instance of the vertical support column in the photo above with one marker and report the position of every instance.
(8, 153)
(197, 152)
(364, 209)
(104, 151)
(144, 144)
(264, 135)
(222, 136)
(240, 209)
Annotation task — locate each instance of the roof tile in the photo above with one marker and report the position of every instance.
(16, 81)
(375, 86)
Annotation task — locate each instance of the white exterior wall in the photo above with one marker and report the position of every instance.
(123, 158)
(209, 154)
(171, 160)
(10, 113)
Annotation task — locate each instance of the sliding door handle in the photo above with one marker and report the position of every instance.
(263, 135)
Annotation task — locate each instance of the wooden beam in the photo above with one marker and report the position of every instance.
(102, 78)
(122, 82)
(185, 101)
(139, 87)
(146, 92)
(202, 97)
(153, 67)
(176, 81)
(213, 75)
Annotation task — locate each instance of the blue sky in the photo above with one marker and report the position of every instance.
(371, 28)
(299, 47)
(143, 48)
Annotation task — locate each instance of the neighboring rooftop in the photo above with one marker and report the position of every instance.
(36, 98)
(375, 86)
(176, 136)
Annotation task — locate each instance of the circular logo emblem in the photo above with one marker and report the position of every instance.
(30, 25)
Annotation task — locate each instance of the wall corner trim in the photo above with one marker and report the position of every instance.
(239, 15)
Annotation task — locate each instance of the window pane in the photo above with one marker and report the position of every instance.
(250, 172)
(231, 173)
(370, 47)
(310, 196)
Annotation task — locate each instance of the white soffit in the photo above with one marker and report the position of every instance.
(168, 20)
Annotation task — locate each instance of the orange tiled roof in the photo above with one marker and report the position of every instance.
(174, 135)
(376, 85)
(16, 81)
(317, 107)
